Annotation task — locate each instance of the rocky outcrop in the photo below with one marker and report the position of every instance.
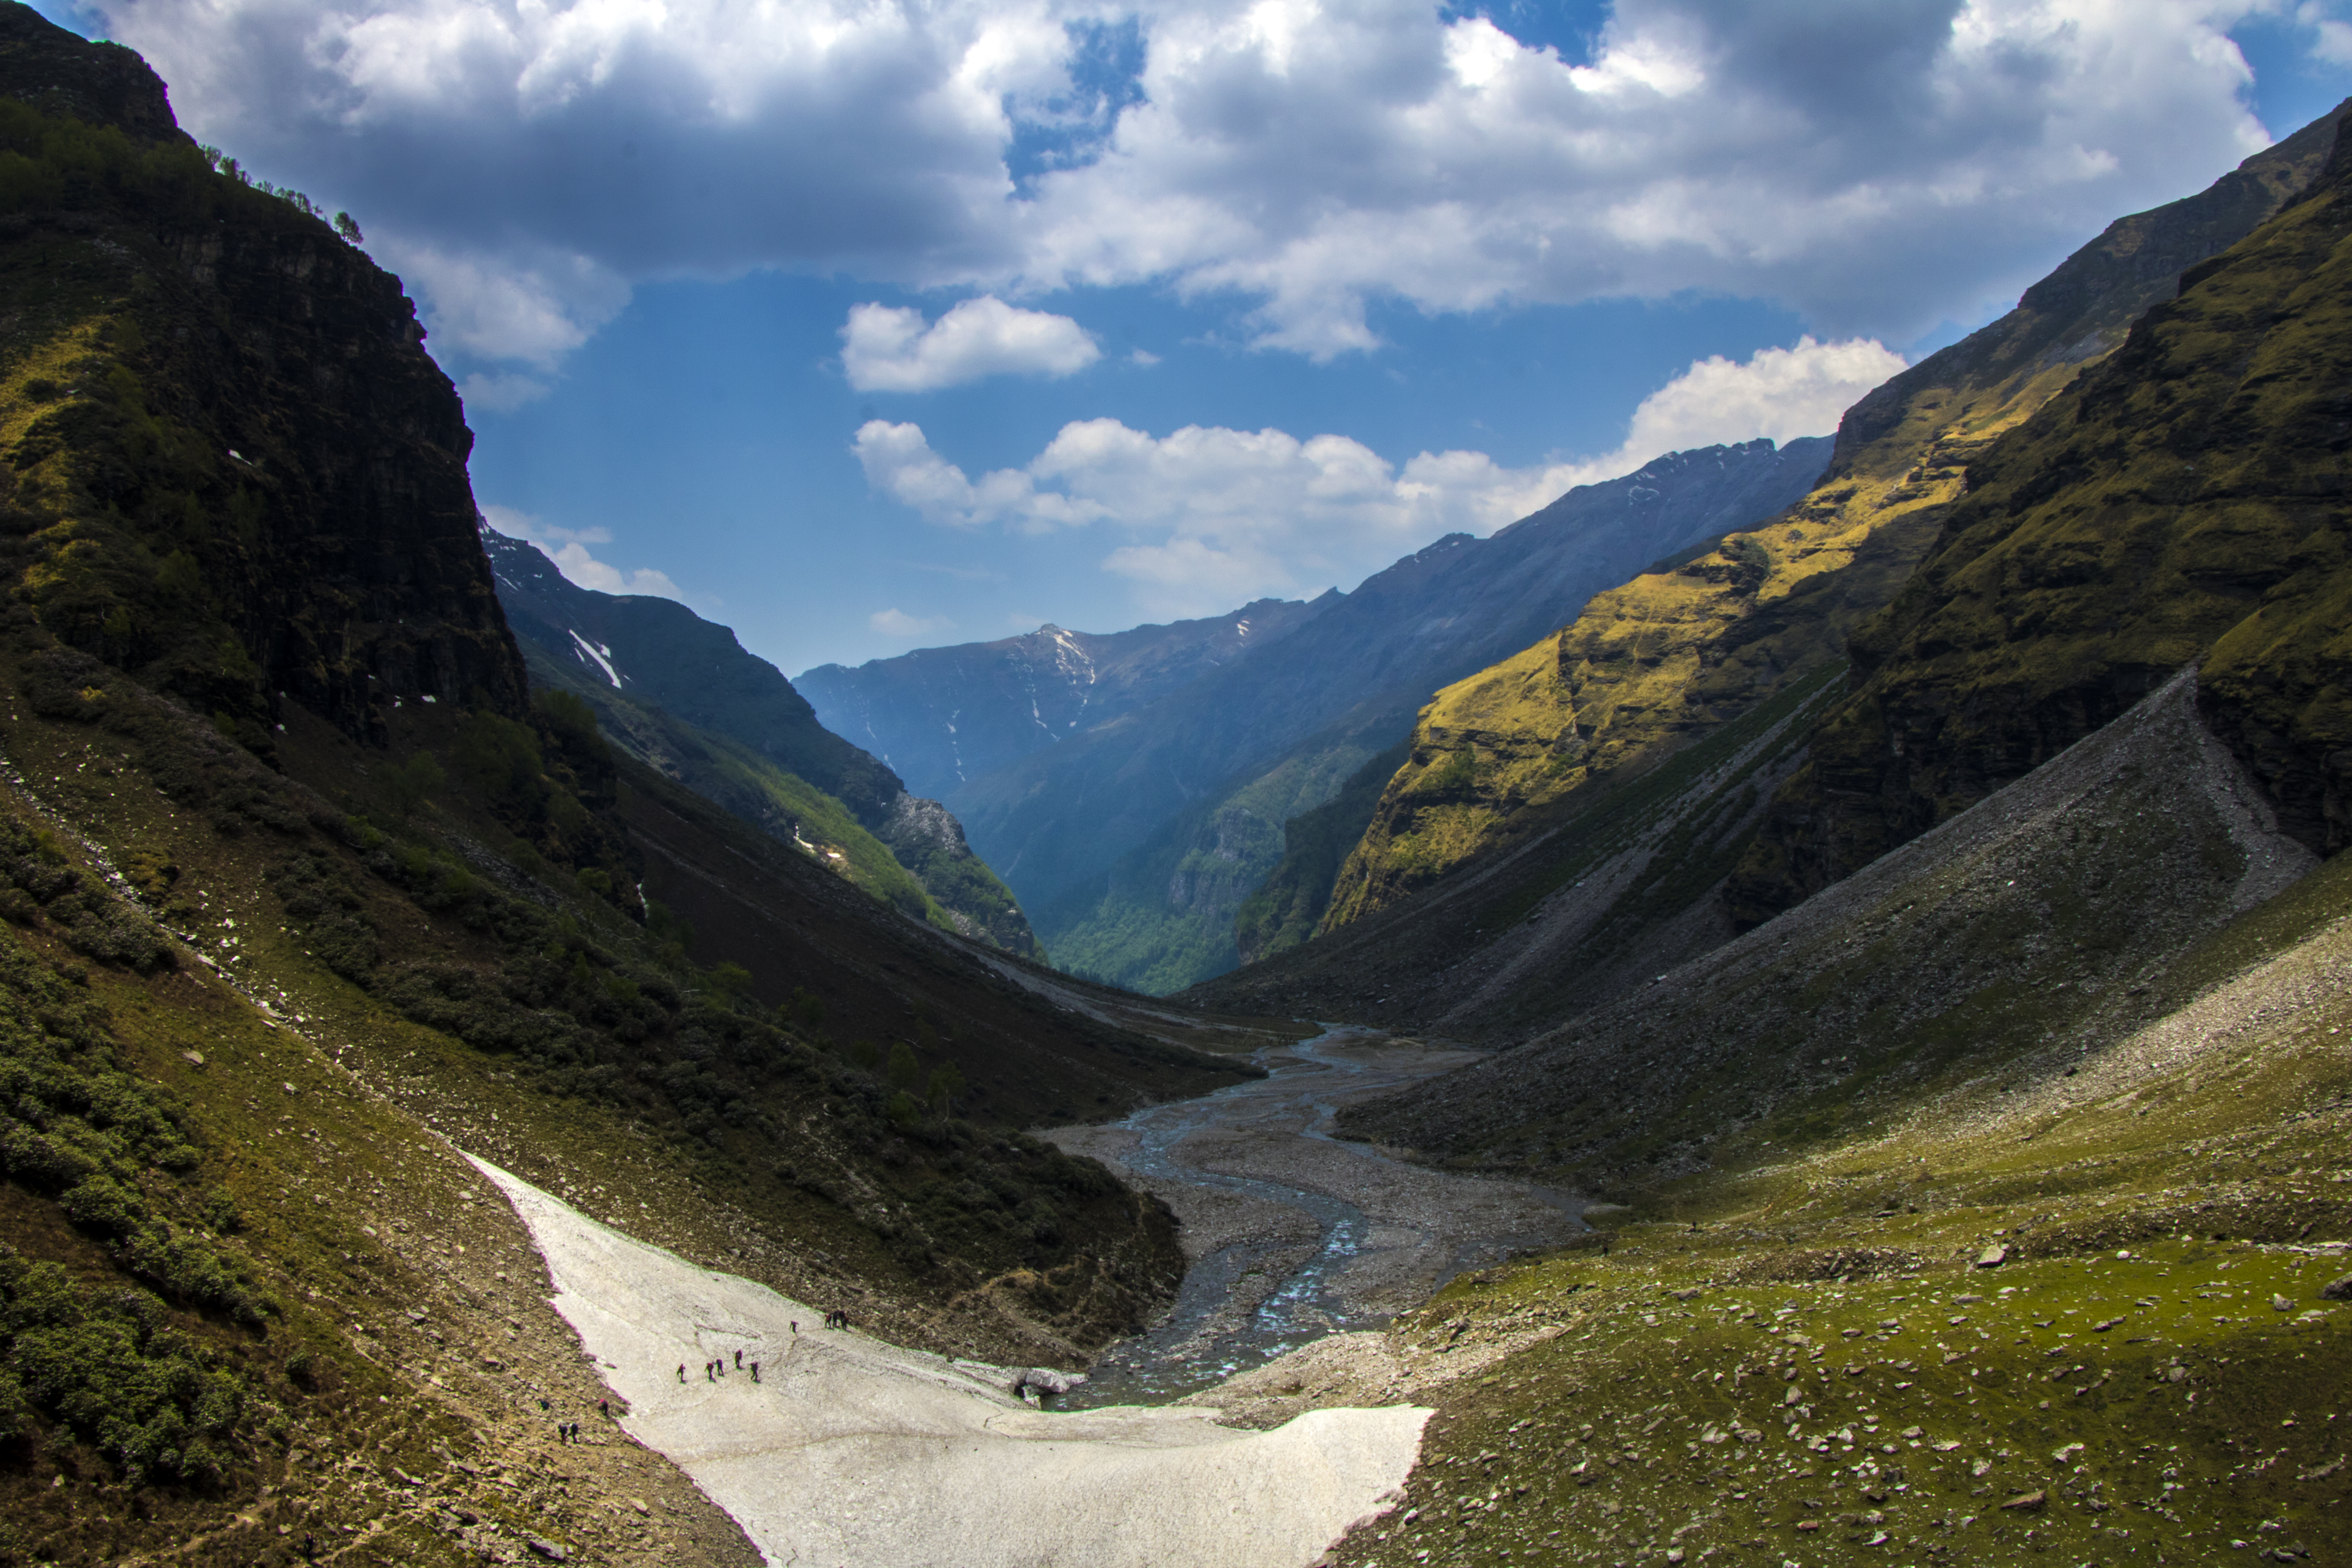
(235, 469)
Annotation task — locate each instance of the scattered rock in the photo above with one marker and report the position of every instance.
(196, 1057)
(2281, 1304)
(1992, 1257)
(547, 1549)
(2027, 1503)
(2337, 1291)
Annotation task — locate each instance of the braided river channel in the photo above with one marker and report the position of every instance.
(1290, 1233)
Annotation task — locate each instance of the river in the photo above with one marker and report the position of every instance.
(1290, 1233)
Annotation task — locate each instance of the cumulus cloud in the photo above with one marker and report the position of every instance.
(890, 349)
(1781, 392)
(1218, 515)
(568, 548)
(898, 623)
(1874, 165)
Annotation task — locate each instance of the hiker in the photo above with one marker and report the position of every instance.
(681, 1372)
(739, 1360)
(755, 1372)
(710, 1371)
(796, 1325)
(604, 1408)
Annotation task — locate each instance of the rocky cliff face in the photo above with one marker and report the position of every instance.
(2182, 504)
(942, 715)
(625, 654)
(234, 468)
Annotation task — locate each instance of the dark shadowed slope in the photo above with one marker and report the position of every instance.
(757, 748)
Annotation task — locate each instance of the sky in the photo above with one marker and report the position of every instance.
(865, 325)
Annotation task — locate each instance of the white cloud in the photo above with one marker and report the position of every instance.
(568, 548)
(2331, 40)
(501, 391)
(1222, 516)
(534, 308)
(1781, 392)
(898, 623)
(888, 350)
(1876, 167)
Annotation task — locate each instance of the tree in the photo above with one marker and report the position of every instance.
(947, 1085)
(410, 783)
(349, 229)
(903, 1073)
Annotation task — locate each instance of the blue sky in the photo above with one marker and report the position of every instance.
(868, 327)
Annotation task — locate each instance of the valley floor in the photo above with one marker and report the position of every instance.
(1289, 1234)
(848, 1452)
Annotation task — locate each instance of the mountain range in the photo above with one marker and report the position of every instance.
(681, 694)
(1892, 889)
(1134, 841)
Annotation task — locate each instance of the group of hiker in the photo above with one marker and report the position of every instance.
(715, 1370)
(712, 1371)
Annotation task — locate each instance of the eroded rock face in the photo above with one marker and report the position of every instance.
(207, 370)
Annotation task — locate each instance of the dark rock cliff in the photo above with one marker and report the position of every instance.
(241, 475)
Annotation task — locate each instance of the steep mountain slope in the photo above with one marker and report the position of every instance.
(1531, 772)
(1103, 827)
(2085, 1304)
(942, 716)
(680, 694)
(256, 981)
(2030, 1133)
(2180, 505)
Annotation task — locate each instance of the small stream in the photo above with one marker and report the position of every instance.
(1300, 1097)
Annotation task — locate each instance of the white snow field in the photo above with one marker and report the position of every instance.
(851, 1453)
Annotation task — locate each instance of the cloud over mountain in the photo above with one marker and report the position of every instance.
(1216, 516)
(1865, 163)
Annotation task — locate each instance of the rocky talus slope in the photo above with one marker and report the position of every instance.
(2180, 504)
(1990, 1207)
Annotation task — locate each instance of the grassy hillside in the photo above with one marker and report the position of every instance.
(761, 792)
(1991, 1206)
(1164, 915)
(303, 894)
(2177, 506)
(1700, 639)
(1288, 904)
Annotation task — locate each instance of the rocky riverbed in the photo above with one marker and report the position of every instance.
(1291, 1235)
